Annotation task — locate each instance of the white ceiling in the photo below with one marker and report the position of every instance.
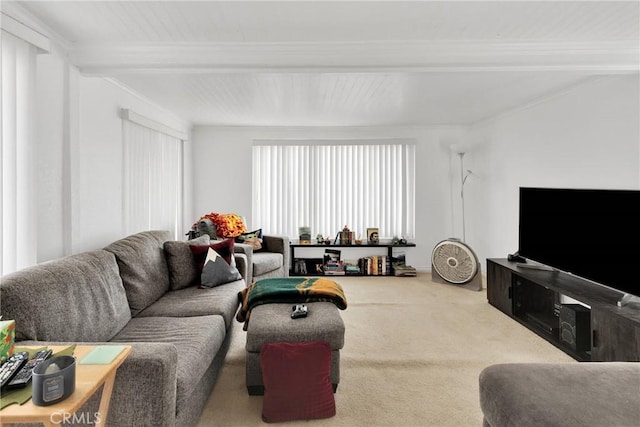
(331, 63)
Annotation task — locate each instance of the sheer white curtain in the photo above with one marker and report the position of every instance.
(18, 216)
(327, 185)
(153, 181)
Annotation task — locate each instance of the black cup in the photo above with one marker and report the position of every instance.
(54, 380)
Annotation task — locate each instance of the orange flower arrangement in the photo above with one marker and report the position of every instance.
(228, 225)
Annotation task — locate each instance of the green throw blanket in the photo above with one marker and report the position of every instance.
(289, 290)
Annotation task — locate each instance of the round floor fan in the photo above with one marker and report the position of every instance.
(453, 261)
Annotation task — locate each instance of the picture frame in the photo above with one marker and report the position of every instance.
(373, 235)
(304, 235)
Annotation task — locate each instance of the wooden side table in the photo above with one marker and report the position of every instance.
(89, 378)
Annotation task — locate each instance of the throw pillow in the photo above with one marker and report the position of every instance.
(297, 382)
(254, 242)
(252, 238)
(183, 271)
(223, 247)
(216, 271)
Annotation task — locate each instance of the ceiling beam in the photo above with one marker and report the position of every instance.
(387, 56)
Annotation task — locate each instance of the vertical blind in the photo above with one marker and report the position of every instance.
(152, 180)
(17, 91)
(327, 185)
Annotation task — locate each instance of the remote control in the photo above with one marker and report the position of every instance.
(12, 366)
(22, 378)
(299, 310)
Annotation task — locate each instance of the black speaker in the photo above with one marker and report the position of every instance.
(575, 326)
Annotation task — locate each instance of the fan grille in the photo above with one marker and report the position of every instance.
(454, 261)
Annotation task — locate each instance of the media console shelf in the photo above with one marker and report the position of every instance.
(601, 332)
(382, 244)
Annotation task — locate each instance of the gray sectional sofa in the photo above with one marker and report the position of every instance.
(123, 294)
(270, 261)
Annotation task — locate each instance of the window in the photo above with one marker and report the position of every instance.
(17, 179)
(153, 177)
(329, 184)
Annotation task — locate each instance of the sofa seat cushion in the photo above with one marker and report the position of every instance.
(76, 298)
(143, 267)
(197, 340)
(567, 394)
(266, 262)
(193, 301)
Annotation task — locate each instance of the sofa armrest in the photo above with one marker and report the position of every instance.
(247, 251)
(242, 265)
(279, 244)
(145, 387)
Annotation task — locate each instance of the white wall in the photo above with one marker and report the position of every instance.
(80, 159)
(222, 173)
(585, 137)
(98, 213)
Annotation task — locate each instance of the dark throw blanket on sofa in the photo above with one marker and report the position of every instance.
(289, 290)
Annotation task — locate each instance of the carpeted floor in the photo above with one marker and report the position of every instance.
(413, 352)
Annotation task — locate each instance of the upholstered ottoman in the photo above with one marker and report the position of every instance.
(273, 323)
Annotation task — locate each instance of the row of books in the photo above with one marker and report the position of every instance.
(367, 266)
(380, 266)
(345, 238)
(337, 269)
(332, 265)
(377, 265)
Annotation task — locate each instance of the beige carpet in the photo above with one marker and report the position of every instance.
(413, 352)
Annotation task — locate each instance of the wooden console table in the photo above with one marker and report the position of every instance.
(89, 379)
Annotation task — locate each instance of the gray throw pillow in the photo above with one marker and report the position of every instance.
(183, 269)
(216, 271)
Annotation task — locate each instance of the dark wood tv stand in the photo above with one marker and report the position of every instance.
(533, 298)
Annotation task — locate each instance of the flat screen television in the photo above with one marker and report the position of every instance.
(593, 234)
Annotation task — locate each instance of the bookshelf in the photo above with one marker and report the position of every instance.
(373, 265)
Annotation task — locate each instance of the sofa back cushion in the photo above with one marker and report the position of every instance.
(143, 267)
(183, 271)
(76, 298)
(185, 260)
